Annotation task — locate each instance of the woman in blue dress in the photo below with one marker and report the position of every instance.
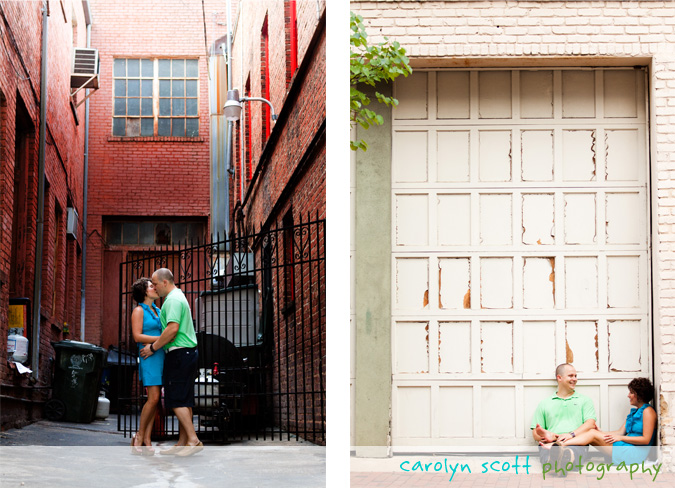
(146, 328)
(629, 444)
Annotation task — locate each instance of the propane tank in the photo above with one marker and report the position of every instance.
(103, 407)
(206, 389)
(17, 348)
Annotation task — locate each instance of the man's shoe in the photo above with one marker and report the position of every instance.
(171, 451)
(567, 456)
(190, 450)
(560, 456)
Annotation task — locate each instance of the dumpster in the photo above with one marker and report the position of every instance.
(77, 378)
(118, 376)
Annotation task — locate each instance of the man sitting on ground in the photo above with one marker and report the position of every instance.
(561, 416)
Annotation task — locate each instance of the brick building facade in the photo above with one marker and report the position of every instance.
(282, 162)
(279, 53)
(625, 52)
(20, 96)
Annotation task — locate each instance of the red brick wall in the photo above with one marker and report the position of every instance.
(291, 176)
(166, 177)
(307, 109)
(20, 74)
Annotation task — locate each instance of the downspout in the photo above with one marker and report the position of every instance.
(230, 125)
(40, 228)
(242, 133)
(87, 17)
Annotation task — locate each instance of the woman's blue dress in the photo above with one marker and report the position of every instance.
(631, 453)
(150, 369)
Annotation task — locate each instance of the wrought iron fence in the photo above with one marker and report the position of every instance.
(258, 306)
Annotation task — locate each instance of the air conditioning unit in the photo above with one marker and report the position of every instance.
(240, 269)
(84, 73)
(71, 223)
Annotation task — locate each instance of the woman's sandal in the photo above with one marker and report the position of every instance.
(148, 450)
(171, 451)
(135, 450)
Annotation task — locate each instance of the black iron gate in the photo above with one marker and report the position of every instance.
(258, 305)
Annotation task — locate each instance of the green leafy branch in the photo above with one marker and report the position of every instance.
(370, 65)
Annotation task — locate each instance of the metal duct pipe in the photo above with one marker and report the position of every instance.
(230, 125)
(87, 15)
(40, 228)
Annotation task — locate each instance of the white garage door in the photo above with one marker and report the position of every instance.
(520, 241)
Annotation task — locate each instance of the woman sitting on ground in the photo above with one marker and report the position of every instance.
(629, 443)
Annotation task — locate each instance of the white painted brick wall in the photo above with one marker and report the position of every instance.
(434, 31)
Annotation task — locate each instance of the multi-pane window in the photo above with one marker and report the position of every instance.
(156, 97)
(152, 232)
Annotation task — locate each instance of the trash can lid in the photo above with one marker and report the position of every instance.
(77, 345)
(115, 358)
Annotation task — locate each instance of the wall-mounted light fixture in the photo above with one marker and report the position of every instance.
(233, 105)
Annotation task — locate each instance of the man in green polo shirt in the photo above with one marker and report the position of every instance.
(563, 415)
(179, 341)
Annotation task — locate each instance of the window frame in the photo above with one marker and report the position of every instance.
(156, 98)
(197, 233)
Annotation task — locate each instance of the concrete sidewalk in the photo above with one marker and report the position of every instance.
(83, 455)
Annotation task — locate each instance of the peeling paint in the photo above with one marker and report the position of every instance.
(538, 213)
(569, 355)
(425, 301)
(551, 277)
(440, 286)
(538, 283)
(579, 155)
(454, 276)
(537, 155)
(581, 335)
(595, 203)
(482, 359)
(426, 340)
(467, 299)
(663, 404)
(454, 350)
(510, 159)
(439, 348)
(624, 337)
(609, 349)
(593, 150)
(606, 155)
(496, 347)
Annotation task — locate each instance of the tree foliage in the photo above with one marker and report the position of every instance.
(370, 65)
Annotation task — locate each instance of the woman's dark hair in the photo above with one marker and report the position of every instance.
(643, 388)
(139, 288)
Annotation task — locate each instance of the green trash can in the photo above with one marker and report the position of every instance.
(77, 381)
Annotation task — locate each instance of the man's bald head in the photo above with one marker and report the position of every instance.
(162, 279)
(164, 274)
(560, 370)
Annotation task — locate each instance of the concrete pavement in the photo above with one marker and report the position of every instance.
(83, 455)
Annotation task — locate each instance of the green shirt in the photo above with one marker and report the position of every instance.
(562, 415)
(177, 309)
